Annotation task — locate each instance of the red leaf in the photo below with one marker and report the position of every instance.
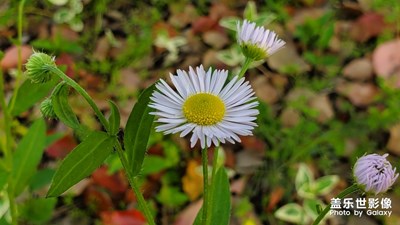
(204, 24)
(98, 200)
(367, 26)
(115, 183)
(127, 217)
(62, 147)
(66, 60)
(10, 59)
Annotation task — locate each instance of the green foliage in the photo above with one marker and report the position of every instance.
(28, 155)
(30, 93)
(38, 211)
(114, 119)
(309, 189)
(220, 200)
(316, 33)
(137, 131)
(81, 162)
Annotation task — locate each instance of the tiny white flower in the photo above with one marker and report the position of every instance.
(203, 105)
(257, 42)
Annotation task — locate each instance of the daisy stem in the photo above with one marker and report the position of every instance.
(353, 188)
(82, 92)
(245, 67)
(135, 185)
(204, 159)
(210, 196)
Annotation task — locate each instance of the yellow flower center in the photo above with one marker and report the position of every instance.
(204, 109)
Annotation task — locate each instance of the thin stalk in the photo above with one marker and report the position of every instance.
(204, 159)
(245, 67)
(7, 151)
(211, 192)
(353, 188)
(19, 65)
(82, 92)
(7, 119)
(135, 185)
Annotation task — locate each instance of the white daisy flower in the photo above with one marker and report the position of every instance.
(203, 105)
(257, 42)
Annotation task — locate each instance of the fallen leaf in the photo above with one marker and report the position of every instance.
(97, 199)
(238, 186)
(290, 117)
(386, 61)
(10, 59)
(394, 141)
(369, 25)
(115, 183)
(253, 143)
(203, 24)
(360, 94)
(215, 39)
(358, 69)
(127, 217)
(192, 182)
(322, 104)
(61, 148)
(102, 48)
(188, 215)
(66, 60)
(275, 197)
(287, 59)
(247, 162)
(264, 90)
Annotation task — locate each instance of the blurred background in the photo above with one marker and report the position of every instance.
(330, 96)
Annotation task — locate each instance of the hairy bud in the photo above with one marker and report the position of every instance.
(38, 67)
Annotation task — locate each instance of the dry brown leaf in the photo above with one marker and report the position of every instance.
(322, 104)
(215, 39)
(369, 25)
(289, 117)
(288, 57)
(264, 90)
(192, 181)
(386, 61)
(275, 197)
(360, 94)
(10, 59)
(188, 215)
(394, 141)
(358, 69)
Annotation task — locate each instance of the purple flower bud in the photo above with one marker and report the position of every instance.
(374, 173)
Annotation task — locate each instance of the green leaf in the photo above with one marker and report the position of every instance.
(250, 12)
(153, 164)
(38, 211)
(303, 176)
(64, 111)
(291, 212)
(114, 119)
(81, 162)
(137, 131)
(41, 178)
(220, 200)
(229, 23)
(311, 207)
(29, 93)
(28, 155)
(325, 184)
(171, 196)
(61, 106)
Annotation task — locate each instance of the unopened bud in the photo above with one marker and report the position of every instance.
(38, 67)
(46, 107)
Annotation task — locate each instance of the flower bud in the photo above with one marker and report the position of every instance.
(46, 107)
(374, 173)
(37, 67)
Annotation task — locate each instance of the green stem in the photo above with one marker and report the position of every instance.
(7, 151)
(245, 67)
(135, 185)
(204, 159)
(210, 196)
(19, 65)
(82, 92)
(353, 188)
